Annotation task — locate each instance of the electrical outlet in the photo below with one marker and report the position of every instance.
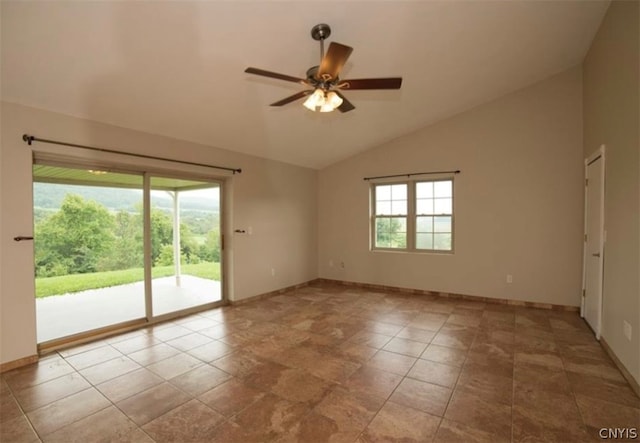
(342, 264)
(331, 263)
(509, 278)
(626, 328)
(250, 230)
(273, 272)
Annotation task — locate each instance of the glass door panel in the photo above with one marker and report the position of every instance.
(185, 244)
(88, 249)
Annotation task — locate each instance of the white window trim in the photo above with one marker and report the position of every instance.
(411, 216)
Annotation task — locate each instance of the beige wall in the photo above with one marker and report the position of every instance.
(277, 200)
(612, 118)
(518, 201)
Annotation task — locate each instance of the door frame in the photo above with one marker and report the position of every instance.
(145, 171)
(599, 154)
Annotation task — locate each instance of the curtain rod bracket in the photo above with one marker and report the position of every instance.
(28, 138)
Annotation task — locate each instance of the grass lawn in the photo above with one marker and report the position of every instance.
(65, 284)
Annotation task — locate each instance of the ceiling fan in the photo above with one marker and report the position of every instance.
(326, 95)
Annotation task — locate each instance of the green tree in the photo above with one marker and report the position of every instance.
(74, 239)
(161, 232)
(210, 250)
(127, 251)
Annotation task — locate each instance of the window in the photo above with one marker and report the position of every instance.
(413, 215)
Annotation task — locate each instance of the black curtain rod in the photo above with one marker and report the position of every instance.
(30, 139)
(412, 174)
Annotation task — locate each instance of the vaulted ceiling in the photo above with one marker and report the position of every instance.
(176, 68)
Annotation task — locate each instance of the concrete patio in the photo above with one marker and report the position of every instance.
(63, 315)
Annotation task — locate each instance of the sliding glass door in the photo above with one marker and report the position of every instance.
(185, 244)
(90, 245)
(88, 249)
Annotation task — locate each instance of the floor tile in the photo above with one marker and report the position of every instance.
(443, 354)
(231, 397)
(152, 403)
(424, 396)
(603, 389)
(9, 408)
(405, 346)
(129, 384)
(392, 362)
(416, 334)
(454, 432)
(598, 414)
(192, 421)
(173, 366)
(368, 380)
(210, 351)
(109, 424)
(436, 373)
(47, 368)
(189, 341)
(110, 369)
(18, 429)
(136, 343)
(487, 416)
(153, 354)
(93, 357)
(54, 416)
(267, 418)
(36, 396)
(348, 410)
(400, 423)
(200, 379)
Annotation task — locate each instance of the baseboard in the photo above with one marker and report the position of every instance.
(625, 373)
(271, 294)
(501, 301)
(24, 361)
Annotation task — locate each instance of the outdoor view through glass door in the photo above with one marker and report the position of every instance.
(88, 249)
(185, 244)
(90, 243)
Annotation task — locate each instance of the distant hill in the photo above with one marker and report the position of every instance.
(50, 196)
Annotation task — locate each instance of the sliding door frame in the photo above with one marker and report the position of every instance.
(146, 172)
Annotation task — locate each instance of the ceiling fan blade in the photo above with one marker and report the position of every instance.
(333, 61)
(270, 74)
(291, 98)
(371, 83)
(346, 105)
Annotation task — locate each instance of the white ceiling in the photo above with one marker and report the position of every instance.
(176, 68)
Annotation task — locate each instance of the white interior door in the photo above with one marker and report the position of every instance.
(594, 251)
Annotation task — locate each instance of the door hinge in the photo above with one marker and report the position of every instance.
(222, 242)
(585, 238)
(584, 293)
(586, 182)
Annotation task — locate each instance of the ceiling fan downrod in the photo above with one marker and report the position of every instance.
(321, 32)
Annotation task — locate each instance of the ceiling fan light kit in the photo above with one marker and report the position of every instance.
(324, 79)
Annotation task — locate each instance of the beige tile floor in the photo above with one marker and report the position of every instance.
(329, 363)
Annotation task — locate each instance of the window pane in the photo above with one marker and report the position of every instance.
(424, 241)
(442, 206)
(424, 206)
(443, 188)
(383, 192)
(442, 224)
(424, 224)
(399, 207)
(399, 192)
(442, 242)
(391, 232)
(424, 190)
(383, 208)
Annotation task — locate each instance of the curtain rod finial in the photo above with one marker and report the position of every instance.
(28, 138)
